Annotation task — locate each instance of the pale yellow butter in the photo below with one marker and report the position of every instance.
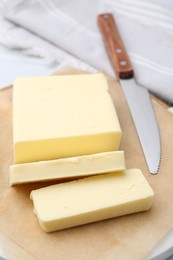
(91, 199)
(67, 167)
(63, 116)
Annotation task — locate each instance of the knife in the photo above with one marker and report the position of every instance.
(137, 97)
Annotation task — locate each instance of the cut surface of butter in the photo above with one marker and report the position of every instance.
(67, 167)
(63, 116)
(91, 199)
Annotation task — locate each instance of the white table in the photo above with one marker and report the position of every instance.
(15, 64)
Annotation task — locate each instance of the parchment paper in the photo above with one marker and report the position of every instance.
(129, 237)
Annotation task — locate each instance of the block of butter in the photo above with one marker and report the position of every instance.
(91, 199)
(64, 168)
(63, 116)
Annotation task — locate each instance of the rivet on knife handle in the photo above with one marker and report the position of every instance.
(115, 47)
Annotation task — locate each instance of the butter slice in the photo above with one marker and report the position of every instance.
(67, 168)
(91, 199)
(63, 116)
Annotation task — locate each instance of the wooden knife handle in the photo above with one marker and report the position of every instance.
(115, 48)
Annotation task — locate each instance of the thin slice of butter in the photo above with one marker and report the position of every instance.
(67, 168)
(91, 199)
(63, 116)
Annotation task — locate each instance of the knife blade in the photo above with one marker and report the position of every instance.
(137, 97)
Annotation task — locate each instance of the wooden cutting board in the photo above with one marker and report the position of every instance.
(128, 237)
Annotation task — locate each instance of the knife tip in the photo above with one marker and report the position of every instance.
(155, 170)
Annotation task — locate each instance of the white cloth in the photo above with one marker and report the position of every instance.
(67, 31)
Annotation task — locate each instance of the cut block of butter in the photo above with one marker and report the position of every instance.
(67, 167)
(63, 116)
(91, 199)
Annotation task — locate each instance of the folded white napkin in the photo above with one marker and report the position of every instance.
(67, 31)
